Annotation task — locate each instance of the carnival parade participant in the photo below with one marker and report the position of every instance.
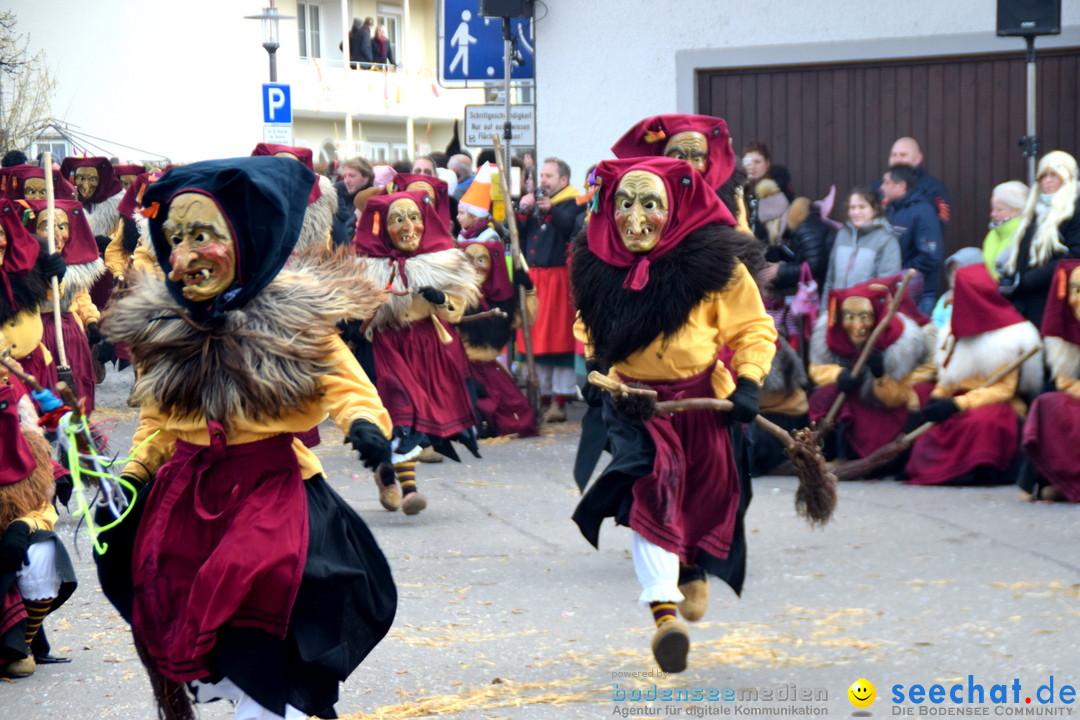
(1052, 430)
(248, 576)
(420, 366)
(79, 315)
(662, 283)
(976, 438)
(882, 400)
(498, 400)
(27, 182)
(474, 210)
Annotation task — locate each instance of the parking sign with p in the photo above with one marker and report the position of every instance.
(277, 103)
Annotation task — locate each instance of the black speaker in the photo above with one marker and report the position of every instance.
(510, 8)
(1029, 17)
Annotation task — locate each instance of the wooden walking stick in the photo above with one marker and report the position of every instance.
(854, 469)
(532, 381)
(830, 418)
(815, 499)
(63, 370)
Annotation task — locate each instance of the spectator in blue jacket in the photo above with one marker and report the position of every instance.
(912, 214)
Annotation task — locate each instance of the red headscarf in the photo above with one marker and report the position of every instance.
(13, 179)
(978, 306)
(372, 239)
(691, 204)
(879, 296)
(496, 286)
(17, 460)
(132, 203)
(401, 181)
(81, 246)
(1058, 318)
(304, 155)
(650, 136)
(108, 183)
(131, 169)
(22, 248)
(909, 303)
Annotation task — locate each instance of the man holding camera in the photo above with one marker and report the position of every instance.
(548, 220)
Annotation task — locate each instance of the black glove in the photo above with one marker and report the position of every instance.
(93, 334)
(779, 253)
(106, 353)
(369, 441)
(13, 547)
(54, 266)
(522, 278)
(433, 296)
(593, 394)
(102, 242)
(876, 363)
(745, 400)
(848, 383)
(940, 410)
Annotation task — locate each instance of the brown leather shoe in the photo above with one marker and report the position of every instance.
(430, 455)
(389, 495)
(554, 414)
(671, 645)
(413, 503)
(20, 668)
(696, 599)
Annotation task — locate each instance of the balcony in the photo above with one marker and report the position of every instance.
(323, 87)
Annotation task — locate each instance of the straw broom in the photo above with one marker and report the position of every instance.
(815, 499)
(855, 469)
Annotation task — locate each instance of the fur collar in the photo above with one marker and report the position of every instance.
(1062, 357)
(913, 348)
(447, 270)
(318, 217)
(984, 354)
(29, 290)
(258, 361)
(78, 278)
(491, 333)
(104, 215)
(621, 321)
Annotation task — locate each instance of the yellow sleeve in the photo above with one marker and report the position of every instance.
(43, 518)
(144, 261)
(746, 328)
(159, 448)
(582, 334)
(824, 374)
(348, 394)
(84, 308)
(1002, 391)
(531, 306)
(116, 260)
(893, 393)
(1069, 386)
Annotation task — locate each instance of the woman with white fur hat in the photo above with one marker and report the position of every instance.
(1006, 205)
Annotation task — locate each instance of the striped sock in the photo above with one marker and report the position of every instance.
(662, 612)
(406, 476)
(36, 610)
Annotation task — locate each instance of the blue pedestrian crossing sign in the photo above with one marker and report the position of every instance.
(277, 104)
(471, 47)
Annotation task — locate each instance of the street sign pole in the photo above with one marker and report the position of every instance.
(508, 129)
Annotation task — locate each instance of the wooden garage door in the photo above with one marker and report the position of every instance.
(835, 123)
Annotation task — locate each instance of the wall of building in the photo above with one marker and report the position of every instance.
(605, 64)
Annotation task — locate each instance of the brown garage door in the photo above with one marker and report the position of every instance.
(835, 123)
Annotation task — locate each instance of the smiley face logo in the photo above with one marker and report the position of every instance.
(862, 693)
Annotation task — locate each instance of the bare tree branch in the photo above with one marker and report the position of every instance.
(26, 88)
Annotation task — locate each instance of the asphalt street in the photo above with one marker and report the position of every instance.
(507, 612)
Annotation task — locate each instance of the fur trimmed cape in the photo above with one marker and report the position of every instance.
(318, 217)
(913, 348)
(1062, 357)
(104, 215)
(622, 321)
(29, 290)
(77, 278)
(787, 374)
(984, 354)
(257, 361)
(450, 271)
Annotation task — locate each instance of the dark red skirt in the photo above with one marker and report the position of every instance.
(504, 408)
(222, 542)
(78, 354)
(421, 382)
(691, 499)
(866, 427)
(34, 364)
(553, 331)
(1050, 439)
(983, 436)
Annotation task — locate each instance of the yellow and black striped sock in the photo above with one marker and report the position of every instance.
(662, 612)
(36, 610)
(406, 476)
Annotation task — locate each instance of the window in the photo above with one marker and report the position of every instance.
(309, 25)
(58, 149)
(375, 152)
(400, 151)
(390, 17)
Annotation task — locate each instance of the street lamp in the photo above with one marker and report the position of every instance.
(270, 17)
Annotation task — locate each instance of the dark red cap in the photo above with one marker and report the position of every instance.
(650, 136)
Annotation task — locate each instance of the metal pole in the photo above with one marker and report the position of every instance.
(508, 64)
(1031, 140)
(273, 64)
